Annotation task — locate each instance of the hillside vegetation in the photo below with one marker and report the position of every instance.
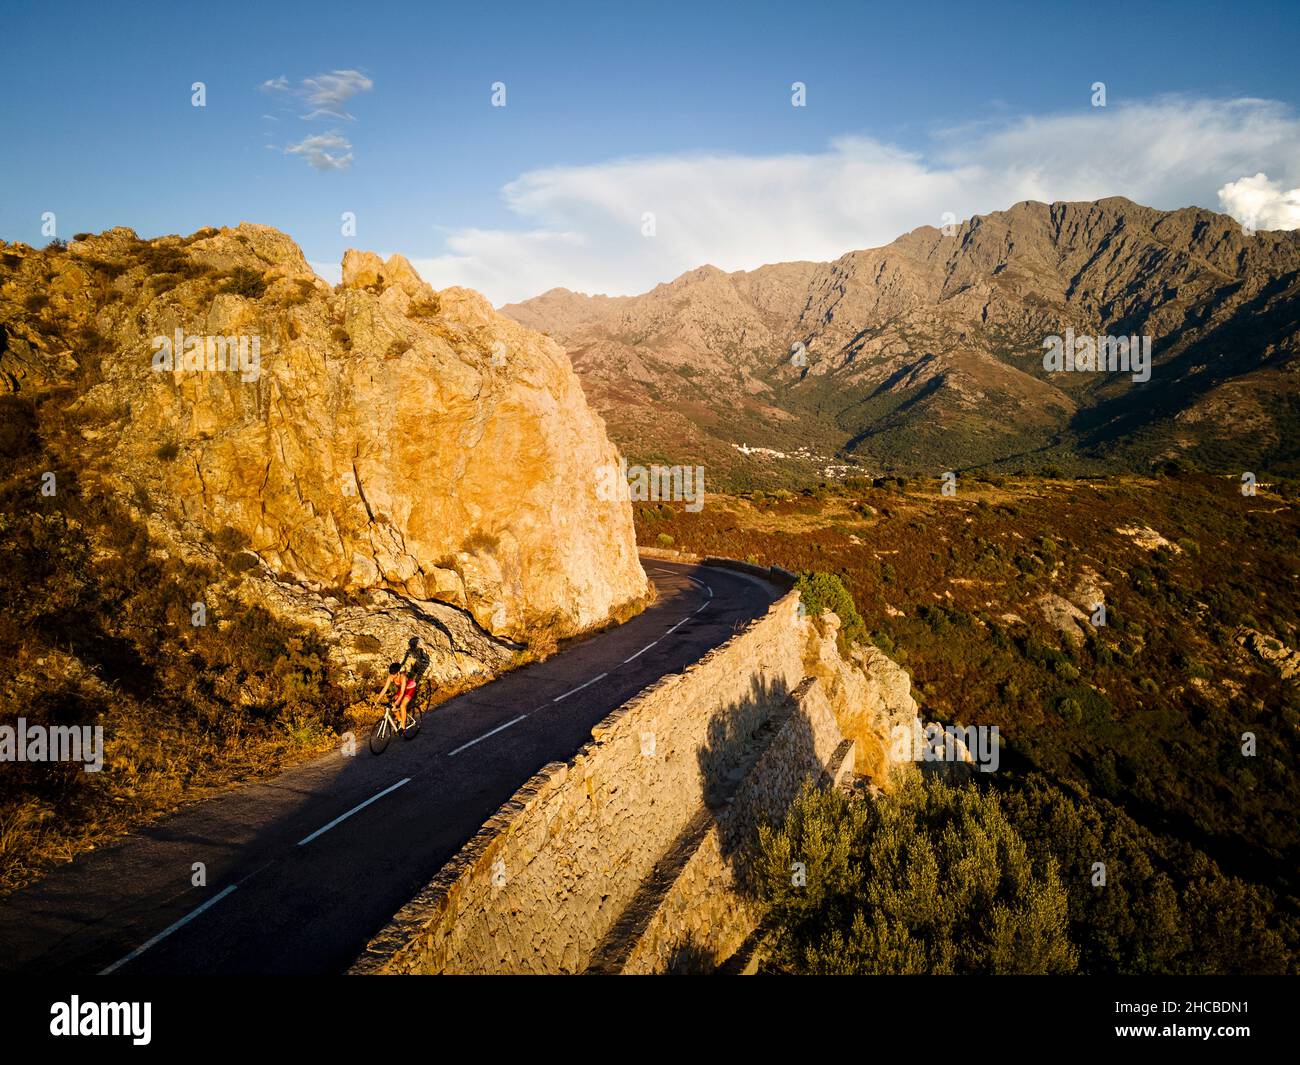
(98, 629)
(1123, 739)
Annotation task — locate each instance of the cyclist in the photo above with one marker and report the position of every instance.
(405, 675)
(405, 688)
(415, 663)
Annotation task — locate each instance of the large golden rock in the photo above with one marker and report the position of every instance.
(377, 435)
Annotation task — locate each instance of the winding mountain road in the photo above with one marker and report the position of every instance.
(303, 869)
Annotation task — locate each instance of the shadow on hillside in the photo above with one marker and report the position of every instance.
(737, 735)
(1226, 350)
(690, 958)
(737, 801)
(738, 738)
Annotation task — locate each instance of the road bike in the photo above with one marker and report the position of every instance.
(388, 725)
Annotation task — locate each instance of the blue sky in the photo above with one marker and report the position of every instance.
(618, 112)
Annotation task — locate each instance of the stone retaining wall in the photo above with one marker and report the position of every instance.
(624, 858)
(547, 883)
(704, 917)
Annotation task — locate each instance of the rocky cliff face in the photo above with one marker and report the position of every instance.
(928, 352)
(871, 697)
(373, 439)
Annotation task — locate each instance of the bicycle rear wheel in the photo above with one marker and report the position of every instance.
(381, 735)
(414, 714)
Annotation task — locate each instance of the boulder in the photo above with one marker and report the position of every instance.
(373, 437)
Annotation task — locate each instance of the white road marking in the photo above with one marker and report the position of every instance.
(485, 735)
(360, 806)
(580, 687)
(640, 652)
(709, 590)
(168, 931)
(700, 607)
(676, 627)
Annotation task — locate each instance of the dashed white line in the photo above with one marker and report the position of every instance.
(580, 687)
(640, 652)
(168, 931)
(499, 728)
(676, 627)
(700, 607)
(360, 806)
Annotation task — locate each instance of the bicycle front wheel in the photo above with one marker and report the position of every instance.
(380, 736)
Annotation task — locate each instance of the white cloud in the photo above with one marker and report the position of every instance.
(1261, 204)
(324, 150)
(327, 93)
(580, 227)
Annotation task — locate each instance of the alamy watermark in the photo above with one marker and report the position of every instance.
(1098, 354)
(644, 484)
(75, 1017)
(208, 354)
(22, 742)
(975, 744)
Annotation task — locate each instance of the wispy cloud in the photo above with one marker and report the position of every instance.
(324, 151)
(582, 227)
(327, 93)
(324, 96)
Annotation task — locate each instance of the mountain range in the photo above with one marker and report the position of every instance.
(927, 355)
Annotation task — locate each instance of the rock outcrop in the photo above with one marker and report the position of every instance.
(1271, 650)
(870, 695)
(374, 438)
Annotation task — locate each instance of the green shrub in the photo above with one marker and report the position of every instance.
(18, 427)
(825, 591)
(1139, 921)
(247, 282)
(242, 562)
(932, 879)
(169, 264)
(301, 293)
(111, 270)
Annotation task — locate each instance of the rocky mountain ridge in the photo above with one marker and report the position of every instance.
(927, 353)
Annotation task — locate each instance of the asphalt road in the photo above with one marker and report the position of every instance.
(303, 869)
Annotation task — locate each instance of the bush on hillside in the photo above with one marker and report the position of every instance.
(246, 282)
(932, 879)
(825, 591)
